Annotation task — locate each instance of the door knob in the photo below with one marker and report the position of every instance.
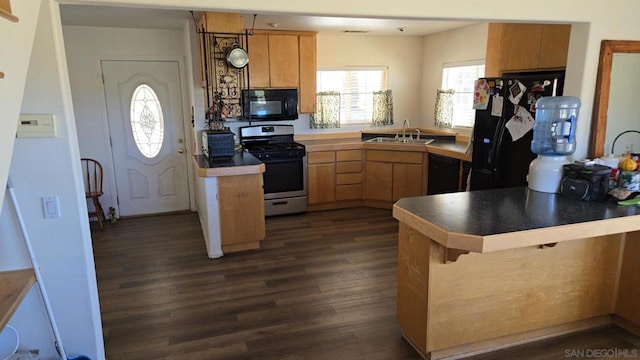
(181, 150)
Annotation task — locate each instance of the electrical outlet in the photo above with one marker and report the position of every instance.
(51, 207)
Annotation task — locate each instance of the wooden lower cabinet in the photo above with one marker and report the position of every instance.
(321, 180)
(407, 181)
(334, 179)
(342, 178)
(348, 175)
(378, 183)
(392, 175)
(242, 215)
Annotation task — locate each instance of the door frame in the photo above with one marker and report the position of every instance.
(187, 98)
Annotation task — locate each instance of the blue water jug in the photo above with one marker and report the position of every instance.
(554, 129)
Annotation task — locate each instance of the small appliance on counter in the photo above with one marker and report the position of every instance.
(218, 145)
(553, 139)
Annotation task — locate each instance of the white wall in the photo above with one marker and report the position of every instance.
(85, 48)
(464, 44)
(18, 37)
(50, 166)
(623, 104)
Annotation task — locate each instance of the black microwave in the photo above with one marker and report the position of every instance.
(269, 104)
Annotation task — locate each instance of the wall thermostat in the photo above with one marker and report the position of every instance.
(36, 125)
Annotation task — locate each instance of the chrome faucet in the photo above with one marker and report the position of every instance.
(417, 134)
(405, 126)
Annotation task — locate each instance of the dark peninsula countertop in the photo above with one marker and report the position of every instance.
(241, 163)
(498, 219)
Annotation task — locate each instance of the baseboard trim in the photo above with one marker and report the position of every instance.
(462, 351)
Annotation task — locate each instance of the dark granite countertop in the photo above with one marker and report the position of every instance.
(241, 163)
(500, 213)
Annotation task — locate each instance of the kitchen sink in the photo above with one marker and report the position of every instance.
(399, 140)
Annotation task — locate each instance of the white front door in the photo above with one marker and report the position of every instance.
(145, 115)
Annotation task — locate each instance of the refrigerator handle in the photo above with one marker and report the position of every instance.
(494, 160)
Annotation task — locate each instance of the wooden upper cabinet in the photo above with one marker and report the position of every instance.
(215, 22)
(259, 61)
(308, 67)
(283, 61)
(520, 46)
(555, 46)
(526, 47)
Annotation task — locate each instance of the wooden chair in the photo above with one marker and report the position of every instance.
(92, 174)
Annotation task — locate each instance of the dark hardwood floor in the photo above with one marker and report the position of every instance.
(321, 287)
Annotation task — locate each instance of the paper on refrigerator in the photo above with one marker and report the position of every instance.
(520, 123)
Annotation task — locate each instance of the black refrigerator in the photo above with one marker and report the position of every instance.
(505, 107)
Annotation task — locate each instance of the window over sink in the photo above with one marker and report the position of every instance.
(357, 92)
(460, 76)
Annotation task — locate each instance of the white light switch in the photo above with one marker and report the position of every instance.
(37, 125)
(51, 207)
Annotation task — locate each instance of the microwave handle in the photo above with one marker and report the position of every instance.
(286, 105)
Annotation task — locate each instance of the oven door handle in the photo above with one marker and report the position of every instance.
(280, 161)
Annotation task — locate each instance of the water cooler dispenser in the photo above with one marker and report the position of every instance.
(554, 137)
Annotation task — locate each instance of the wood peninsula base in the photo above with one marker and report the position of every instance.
(458, 302)
(230, 201)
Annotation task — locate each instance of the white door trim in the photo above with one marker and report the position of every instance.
(186, 114)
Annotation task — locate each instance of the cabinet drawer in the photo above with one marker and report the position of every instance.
(349, 192)
(320, 157)
(349, 155)
(343, 179)
(395, 156)
(349, 167)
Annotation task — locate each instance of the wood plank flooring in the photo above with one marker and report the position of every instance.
(321, 287)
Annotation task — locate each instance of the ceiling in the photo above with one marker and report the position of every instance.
(128, 17)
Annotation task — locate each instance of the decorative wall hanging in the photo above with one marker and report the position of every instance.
(225, 66)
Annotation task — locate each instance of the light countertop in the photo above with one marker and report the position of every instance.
(454, 149)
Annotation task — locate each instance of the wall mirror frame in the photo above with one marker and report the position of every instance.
(601, 100)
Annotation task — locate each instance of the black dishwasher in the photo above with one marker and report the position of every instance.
(444, 174)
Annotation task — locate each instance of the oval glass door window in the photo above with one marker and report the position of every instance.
(147, 123)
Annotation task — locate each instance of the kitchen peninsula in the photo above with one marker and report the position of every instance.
(482, 270)
(237, 183)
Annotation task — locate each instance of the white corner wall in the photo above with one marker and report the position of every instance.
(16, 39)
(459, 45)
(50, 167)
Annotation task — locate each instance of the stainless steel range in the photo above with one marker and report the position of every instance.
(285, 176)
